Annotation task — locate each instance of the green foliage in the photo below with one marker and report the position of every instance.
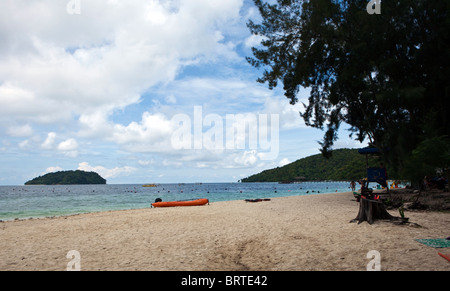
(401, 211)
(343, 165)
(386, 75)
(430, 155)
(68, 178)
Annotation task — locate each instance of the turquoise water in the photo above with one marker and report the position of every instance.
(46, 201)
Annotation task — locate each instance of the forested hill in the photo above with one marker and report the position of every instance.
(68, 178)
(345, 164)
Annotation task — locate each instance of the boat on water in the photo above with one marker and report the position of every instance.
(149, 185)
(195, 202)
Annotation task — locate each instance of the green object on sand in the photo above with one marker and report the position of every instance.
(435, 242)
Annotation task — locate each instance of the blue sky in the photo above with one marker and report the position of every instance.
(98, 90)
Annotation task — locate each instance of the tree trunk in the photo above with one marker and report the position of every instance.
(369, 210)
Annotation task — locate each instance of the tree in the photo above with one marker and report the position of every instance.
(430, 155)
(386, 75)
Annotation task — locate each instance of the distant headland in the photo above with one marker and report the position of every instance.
(68, 178)
(344, 165)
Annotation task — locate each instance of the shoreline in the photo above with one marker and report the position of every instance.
(309, 232)
(53, 215)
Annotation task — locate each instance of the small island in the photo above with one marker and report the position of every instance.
(68, 178)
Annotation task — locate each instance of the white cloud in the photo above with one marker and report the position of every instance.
(103, 59)
(254, 40)
(150, 129)
(284, 162)
(49, 141)
(171, 99)
(14, 101)
(247, 158)
(68, 145)
(151, 134)
(24, 144)
(52, 169)
(145, 163)
(213, 90)
(105, 172)
(20, 131)
(226, 159)
(289, 114)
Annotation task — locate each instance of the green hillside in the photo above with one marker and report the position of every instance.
(345, 164)
(68, 178)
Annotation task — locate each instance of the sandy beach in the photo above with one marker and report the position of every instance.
(288, 233)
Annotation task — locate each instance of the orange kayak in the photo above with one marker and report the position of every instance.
(447, 257)
(196, 202)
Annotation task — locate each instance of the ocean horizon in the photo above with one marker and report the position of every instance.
(39, 201)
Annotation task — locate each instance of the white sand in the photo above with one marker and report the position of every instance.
(288, 233)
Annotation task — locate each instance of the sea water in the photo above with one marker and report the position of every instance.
(46, 201)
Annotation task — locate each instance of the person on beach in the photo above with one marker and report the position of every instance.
(352, 185)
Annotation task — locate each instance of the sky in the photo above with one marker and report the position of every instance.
(141, 91)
